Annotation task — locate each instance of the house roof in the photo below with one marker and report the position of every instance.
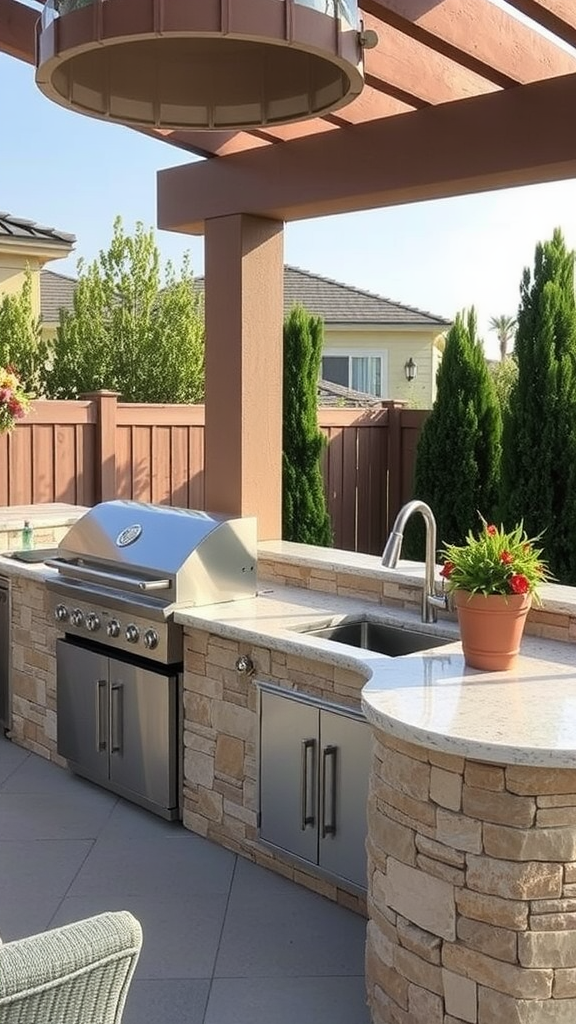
(56, 292)
(28, 230)
(335, 302)
(339, 303)
(337, 395)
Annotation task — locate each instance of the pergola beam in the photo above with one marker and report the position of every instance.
(500, 140)
(558, 16)
(17, 25)
(482, 37)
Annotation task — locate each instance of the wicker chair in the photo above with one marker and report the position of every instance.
(77, 974)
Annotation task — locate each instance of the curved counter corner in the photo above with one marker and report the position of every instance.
(525, 717)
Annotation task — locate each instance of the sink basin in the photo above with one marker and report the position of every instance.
(380, 637)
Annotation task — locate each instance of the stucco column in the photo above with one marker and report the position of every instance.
(244, 315)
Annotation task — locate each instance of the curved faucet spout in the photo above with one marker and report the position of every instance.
(430, 600)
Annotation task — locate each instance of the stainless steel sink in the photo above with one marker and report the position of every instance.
(381, 637)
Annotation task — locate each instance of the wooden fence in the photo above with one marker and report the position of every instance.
(98, 448)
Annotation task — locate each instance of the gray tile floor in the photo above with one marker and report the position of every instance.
(225, 941)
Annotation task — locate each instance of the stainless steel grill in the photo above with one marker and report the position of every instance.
(123, 570)
(125, 567)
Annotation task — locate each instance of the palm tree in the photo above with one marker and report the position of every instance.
(505, 327)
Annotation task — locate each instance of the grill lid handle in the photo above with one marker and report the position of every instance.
(82, 572)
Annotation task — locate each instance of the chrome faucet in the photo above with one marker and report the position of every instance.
(430, 599)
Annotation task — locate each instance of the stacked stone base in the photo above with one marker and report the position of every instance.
(33, 669)
(472, 890)
(221, 736)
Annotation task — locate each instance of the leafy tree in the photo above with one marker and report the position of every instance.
(21, 343)
(504, 327)
(458, 454)
(129, 333)
(539, 476)
(504, 375)
(304, 514)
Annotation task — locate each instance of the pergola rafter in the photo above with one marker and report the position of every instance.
(428, 54)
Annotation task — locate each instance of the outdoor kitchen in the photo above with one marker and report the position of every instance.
(246, 717)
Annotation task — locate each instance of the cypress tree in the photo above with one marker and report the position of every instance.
(304, 514)
(458, 455)
(538, 472)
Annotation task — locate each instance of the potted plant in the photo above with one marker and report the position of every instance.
(494, 578)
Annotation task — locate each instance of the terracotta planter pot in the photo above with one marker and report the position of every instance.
(491, 628)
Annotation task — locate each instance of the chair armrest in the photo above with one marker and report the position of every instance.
(76, 974)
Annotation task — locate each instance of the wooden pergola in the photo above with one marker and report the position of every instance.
(460, 97)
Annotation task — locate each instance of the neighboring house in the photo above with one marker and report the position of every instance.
(368, 340)
(26, 244)
(56, 293)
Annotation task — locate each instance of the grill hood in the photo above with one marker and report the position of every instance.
(178, 556)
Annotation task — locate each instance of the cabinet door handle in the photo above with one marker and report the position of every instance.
(307, 800)
(100, 715)
(329, 757)
(116, 724)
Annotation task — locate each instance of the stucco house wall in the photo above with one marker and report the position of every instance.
(24, 246)
(395, 346)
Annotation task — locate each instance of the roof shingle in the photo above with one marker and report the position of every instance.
(340, 303)
(56, 292)
(21, 229)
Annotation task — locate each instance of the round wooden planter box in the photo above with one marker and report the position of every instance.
(491, 628)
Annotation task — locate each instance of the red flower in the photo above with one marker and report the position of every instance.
(446, 570)
(506, 557)
(519, 584)
(492, 530)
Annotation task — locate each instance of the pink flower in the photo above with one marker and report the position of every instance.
(506, 557)
(491, 530)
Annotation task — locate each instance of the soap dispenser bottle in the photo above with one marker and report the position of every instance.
(27, 536)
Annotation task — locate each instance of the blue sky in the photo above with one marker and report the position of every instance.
(76, 174)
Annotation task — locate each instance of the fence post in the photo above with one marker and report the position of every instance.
(106, 406)
(395, 466)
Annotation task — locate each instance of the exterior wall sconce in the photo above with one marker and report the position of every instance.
(410, 369)
(201, 64)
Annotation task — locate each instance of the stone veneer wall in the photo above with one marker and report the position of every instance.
(33, 668)
(44, 537)
(471, 890)
(221, 727)
(398, 595)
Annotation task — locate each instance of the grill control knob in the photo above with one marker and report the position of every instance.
(132, 633)
(113, 628)
(93, 622)
(150, 639)
(77, 617)
(61, 613)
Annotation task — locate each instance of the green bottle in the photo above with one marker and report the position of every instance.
(27, 536)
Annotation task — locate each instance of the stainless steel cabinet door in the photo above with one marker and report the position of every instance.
(289, 775)
(344, 767)
(82, 708)
(142, 740)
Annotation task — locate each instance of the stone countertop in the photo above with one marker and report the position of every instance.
(12, 517)
(432, 698)
(13, 569)
(527, 716)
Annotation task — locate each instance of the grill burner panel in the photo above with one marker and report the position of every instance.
(115, 623)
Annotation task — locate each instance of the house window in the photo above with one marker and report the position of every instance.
(359, 372)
